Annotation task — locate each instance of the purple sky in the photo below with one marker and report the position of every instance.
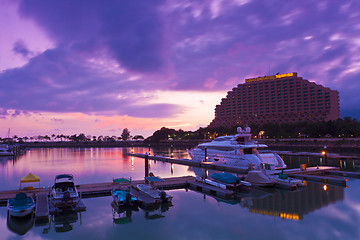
(147, 64)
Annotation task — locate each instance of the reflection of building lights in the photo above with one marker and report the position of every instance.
(132, 163)
(284, 215)
(325, 187)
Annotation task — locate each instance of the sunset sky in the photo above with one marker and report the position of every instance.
(96, 67)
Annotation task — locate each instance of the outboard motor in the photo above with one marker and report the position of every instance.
(128, 198)
(163, 196)
(66, 197)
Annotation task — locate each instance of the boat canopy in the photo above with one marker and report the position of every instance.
(121, 180)
(153, 179)
(69, 176)
(30, 178)
(225, 178)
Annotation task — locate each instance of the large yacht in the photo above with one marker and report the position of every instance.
(238, 150)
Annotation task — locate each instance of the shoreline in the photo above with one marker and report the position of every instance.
(332, 145)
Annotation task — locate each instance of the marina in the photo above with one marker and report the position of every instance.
(179, 181)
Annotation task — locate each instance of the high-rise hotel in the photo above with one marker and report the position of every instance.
(280, 98)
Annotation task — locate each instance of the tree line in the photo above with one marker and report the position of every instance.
(125, 136)
(341, 128)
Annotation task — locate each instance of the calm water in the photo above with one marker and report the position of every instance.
(270, 214)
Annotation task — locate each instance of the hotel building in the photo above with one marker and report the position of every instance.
(280, 98)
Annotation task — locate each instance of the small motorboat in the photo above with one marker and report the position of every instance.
(230, 181)
(260, 178)
(283, 178)
(64, 193)
(21, 205)
(124, 198)
(152, 191)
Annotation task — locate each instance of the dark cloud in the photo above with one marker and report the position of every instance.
(56, 81)
(21, 48)
(178, 46)
(131, 31)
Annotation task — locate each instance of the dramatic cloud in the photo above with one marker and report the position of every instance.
(107, 58)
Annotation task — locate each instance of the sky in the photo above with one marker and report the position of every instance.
(97, 67)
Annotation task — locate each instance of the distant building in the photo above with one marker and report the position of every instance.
(280, 98)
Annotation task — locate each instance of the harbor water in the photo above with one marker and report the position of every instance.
(319, 211)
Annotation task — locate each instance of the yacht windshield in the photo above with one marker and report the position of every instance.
(219, 139)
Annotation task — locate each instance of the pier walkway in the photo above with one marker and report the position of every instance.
(100, 189)
(42, 206)
(188, 162)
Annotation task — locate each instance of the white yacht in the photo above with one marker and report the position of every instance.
(5, 151)
(237, 150)
(64, 193)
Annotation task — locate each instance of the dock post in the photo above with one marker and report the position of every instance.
(146, 165)
(149, 150)
(324, 152)
(205, 149)
(171, 151)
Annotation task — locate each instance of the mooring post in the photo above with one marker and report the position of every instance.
(324, 153)
(171, 151)
(205, 159)
(149, 150)
(146, 165)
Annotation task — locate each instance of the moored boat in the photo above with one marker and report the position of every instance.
(5, 151)
(231, 181)
(152, 191)
(124, 198)
(237, 150)
(21, 205)
(64, 193)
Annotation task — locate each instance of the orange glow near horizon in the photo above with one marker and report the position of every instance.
(196, 110)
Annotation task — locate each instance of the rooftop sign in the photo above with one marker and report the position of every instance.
(269, 77)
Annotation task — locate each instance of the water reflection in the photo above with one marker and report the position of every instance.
(156, 211)
(282, 203)
(294, 205)
(122, 215)
(20, 225)
(285, 204)
(102, 165)
(64, 221)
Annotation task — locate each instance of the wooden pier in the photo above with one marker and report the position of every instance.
(188, 162)
(102, 189)
(42, 208)
(211, 190)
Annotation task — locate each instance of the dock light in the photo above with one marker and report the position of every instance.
(324, 153)
(171, 151)
(325, 187)
(132, 149)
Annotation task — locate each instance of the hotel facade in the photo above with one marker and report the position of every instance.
(280, 98)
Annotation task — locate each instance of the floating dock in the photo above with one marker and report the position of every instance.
(211, 190)
(42, 209)
(188, 162)
(101, 189)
